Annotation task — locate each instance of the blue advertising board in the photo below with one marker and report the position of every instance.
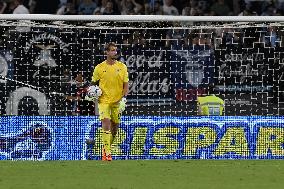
(63, 138)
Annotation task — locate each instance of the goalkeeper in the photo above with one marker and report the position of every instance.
(112, 77)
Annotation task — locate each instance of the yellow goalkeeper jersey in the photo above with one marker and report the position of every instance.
(111, 79)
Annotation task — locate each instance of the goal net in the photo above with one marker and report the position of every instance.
(170, 62)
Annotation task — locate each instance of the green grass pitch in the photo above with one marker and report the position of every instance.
(143, 174)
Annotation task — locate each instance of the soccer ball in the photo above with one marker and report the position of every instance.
(94, 92)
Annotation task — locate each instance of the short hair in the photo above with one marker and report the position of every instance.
(108, 45)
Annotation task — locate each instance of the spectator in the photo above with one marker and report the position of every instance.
(202, 8)
(235, 6)
(31, 6)
(194, 8)
(180, 4)
(155, 8)
(46, 7)
(3, 6)
(109, 9)
(130, 7)
(219, 8)
(269, 10)
(248, 11)
(63, 2)
(67, 9)
(87, 7)
(102, 7)
(189, 8)
(19, 7)
(196, 37)
(175, 38)
(97, 12)
(80, 105)
(280, 5)
(169, 9)
(186, 11)
(229, 37)
(270, 38)
(137, 40)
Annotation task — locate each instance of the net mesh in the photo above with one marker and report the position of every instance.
(169, 63)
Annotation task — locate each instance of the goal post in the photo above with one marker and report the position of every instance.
(171, 60)
(140, 18)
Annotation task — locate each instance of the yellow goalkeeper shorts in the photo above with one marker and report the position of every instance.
(110, 111)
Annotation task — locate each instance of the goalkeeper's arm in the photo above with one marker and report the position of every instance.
(125, 89)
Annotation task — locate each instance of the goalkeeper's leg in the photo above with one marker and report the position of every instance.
(106, 136)
(115, 120)
(104, 111)
(114, 128)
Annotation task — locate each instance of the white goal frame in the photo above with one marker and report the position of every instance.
(141, 18)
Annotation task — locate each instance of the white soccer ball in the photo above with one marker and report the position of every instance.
(94, 92)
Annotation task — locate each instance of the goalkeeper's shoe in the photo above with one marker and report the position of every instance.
(108, 157)
(104, 157)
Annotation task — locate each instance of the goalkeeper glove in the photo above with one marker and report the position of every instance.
(122, 104)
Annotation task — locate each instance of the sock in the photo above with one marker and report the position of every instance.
(106, 136)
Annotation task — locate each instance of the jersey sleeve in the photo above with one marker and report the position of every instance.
(96, 75)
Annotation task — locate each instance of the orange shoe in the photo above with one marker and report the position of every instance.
(108, 158)
(104, 157)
